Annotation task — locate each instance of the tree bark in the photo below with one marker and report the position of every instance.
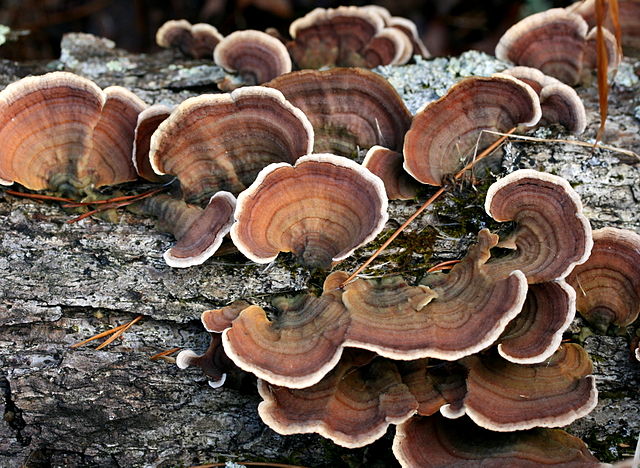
(61, 283)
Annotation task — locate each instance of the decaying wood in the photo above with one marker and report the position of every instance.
(61, 283)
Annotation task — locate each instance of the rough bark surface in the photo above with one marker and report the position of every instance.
(61, 283)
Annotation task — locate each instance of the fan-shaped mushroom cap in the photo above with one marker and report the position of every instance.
(255, 55)
(389, 47)
(444, 134)
(460, 313)
(503, 396)
(61, 127)
(148, 121)
(535, 334)
(608, 283)
(214, 362)
(552, 234)
(218, 320)
(551, 41)
(221, 142)
(436, 442)
(559, 102)
(197, 40)
(343, 37)
(349, 108)
(387, 164)
(352, 405)
(590, 58)
(199, 231)
(298, 346)
(321, 210)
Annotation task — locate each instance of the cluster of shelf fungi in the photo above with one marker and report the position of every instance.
(476, 350)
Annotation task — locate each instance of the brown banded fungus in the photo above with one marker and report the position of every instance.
(257, 57)
(60, 129)
(297, 346)
(349, 108)
(197, 40)
(214, 362)
(148, 121)
(535, 334)
(608, 283)
(444, 134)
(387, 164)
(629, 19)
(344, 37)
(504, 396)
(221, 142)
(559, 102)
(554, 41)
(552, 234)
(199, 231)
(453, 316)
(321, 210)
(436, 442)
(405, 25)
(352, 405)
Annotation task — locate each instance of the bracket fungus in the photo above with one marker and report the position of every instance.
(559, 102)
(295, 349)
(221, 141)
(444, 133)
(194, 40)
(60, 128)
(536, 333)
(199, 232)
(503, 396)
(214, 362)
(552, 234)
(321, 209)
(387, 164)
(346, 36)
(148, 121)
(436, 442)
(256, 56)
(608, 283)
(554, 41)
(349, 108)
(352, 405)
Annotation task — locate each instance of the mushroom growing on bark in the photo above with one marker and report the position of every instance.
(194, 40)
(444, 134)
(321, 209)
(387, 164)
(218, 142)
(257, 57)
(148, 121)
(436, 442)
(349, 108)
(60, 128)
(608, 284)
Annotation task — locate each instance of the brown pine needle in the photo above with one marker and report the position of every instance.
(443, 266)
(164, 354)
(98, 336)
(38, 196)
(568, 142)
(119, 333)
(130, 198)
(115, 332)
(426, 204)
(614, 11)
(602, 64)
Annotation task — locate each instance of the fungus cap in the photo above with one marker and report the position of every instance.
(321, 209)
(197, 40)
(503, 396)
(62, 128)
(552, 41)
(608, 283)
(552, 234)
(445, 132)
(148, 121)
(349, 108)
(221, 142)
(387, 164)
(254, 55)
